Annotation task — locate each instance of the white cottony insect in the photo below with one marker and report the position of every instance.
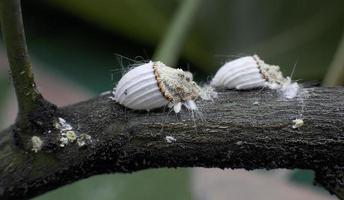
(247, 73)
(154, 85)
(251, 72)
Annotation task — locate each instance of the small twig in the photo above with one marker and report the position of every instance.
(169, 49)
(21, 70)
(335, 74)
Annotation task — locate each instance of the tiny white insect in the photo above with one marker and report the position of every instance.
(84, 139)
(256, 103)
(297, 123)
(66, 132)
(37, 143)
(170, 139)
(63, 125)
(154, 85)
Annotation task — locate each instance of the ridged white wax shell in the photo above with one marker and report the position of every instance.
(138, 89)
(241, 74)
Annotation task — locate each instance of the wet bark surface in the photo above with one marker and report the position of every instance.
(246, 129)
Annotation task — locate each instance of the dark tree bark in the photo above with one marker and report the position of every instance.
(246, 129)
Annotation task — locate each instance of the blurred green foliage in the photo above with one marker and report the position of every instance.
(144, 21)
(283, 32)
(170, 46)
(4, 87)
(81, 40)
(304, 177)
(144, 185)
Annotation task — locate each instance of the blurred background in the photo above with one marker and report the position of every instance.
(81, 47)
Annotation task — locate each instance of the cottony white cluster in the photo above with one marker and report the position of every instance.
(68, 135)
(37, 143)
(252, 72)
(66, 131)
(154, 85)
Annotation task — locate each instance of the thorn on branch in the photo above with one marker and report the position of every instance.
(35, 113)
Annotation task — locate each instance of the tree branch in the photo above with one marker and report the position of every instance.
(21, 70)
(250, 130)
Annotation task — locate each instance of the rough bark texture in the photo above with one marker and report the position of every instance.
(12, 29)
(247, 129)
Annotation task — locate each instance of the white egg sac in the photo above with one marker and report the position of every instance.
(247, 73)
(154, 85)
